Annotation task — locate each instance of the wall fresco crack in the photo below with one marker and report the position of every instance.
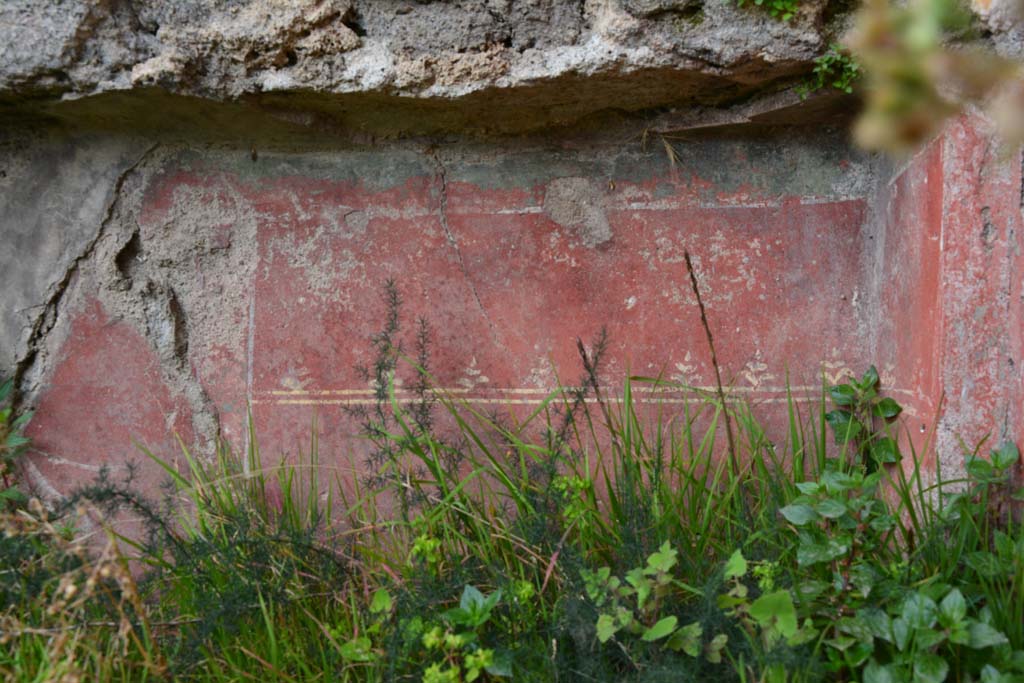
(442, 178)
(26, 374)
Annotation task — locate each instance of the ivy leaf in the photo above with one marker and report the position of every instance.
(663, 628)
(887, 408)
(815, 553)
(929, 668)
(736, 567)
(982, 635)
(844, 425)
(928, 638)
(878, 623)
(952, 609)
(838, 482)
(808, 488)
(775, 610)
(799, 515)
(687, 639)
(870, 379)
(832, 508)
(606, 628)
(919, 611)
(877, 673)
(979, 468)
(900, 633)
(1005, 456)
(856, 627)
(843, 395)
(885, 450)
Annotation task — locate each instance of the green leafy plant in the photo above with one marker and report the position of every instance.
(979, 537)
(859, 420)
(884, 617)
(768, 620)
(834, 69)
(12, 444)
(605, 529)
(635, 606)
(840, 522)
(457, 642)
(783, 10)
(360, 649)
(918, 638)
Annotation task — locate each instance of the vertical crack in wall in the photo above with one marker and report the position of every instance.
(132, 286)
(26, 372)
(442, 178)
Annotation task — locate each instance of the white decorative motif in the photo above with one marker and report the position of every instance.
(685, 371)
(472, 377)
(756, 371)
(835, 369)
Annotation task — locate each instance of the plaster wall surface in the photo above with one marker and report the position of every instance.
(950, 316)
(219, 279)
(200, 203)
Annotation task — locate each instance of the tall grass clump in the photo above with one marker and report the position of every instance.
(605, 534)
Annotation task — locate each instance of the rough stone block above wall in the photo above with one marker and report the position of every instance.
(393, 66)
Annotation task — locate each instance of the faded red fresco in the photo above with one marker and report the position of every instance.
(921, 278)
(105, 398)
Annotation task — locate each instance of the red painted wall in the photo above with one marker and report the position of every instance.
(951, 290)
(510, 272)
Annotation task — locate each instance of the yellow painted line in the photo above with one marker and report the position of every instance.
(665, 388)
(508, 401)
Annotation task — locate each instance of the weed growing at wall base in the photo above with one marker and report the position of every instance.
(12, 445)
(597, 537)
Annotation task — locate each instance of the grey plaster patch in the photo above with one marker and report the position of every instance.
(578, 204)
(54, 193)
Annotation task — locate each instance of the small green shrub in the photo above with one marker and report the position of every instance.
(12, 445)
(597, 537)
(636, 607)
(834, 69)
(783, 10)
